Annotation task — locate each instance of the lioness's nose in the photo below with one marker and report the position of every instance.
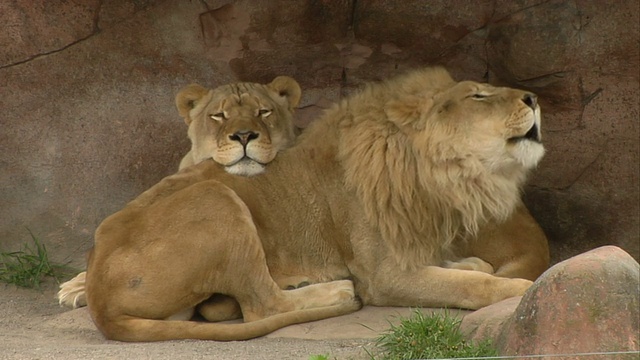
(243, 137)
(531, 100)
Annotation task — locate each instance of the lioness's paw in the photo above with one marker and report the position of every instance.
(72, 293)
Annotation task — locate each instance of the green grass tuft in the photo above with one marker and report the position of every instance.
(319, 357)
(434, 336)
(29, 266)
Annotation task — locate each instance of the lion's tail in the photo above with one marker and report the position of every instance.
(136, 329)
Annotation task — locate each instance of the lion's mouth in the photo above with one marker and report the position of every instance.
(533, 134)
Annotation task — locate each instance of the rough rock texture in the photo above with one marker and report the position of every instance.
(486, 323)
(87, 87)
(589, 303)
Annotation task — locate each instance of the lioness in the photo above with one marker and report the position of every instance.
(383, 188)
(243, 142)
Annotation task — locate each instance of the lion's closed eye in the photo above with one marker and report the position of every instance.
(218, 116)
(479, 96)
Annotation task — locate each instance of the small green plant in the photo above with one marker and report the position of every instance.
(319, 357)
(29, 266)
(434, 336)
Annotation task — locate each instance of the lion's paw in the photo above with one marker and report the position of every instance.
(513, 287)
(521, 286)
(72, 292)
(470, 263)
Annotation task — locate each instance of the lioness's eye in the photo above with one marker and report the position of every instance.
(218, 117)
(478, 96)
(264, 112)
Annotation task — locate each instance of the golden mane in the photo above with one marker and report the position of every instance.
(447, 196)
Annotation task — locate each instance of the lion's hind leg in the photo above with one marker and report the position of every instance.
(72, 292)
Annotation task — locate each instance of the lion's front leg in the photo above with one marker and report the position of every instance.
(517, 247)
(433, 286)
(470, 263)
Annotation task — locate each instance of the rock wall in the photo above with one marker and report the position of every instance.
(87, 88)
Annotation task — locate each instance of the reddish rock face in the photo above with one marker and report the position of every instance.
(87, 87)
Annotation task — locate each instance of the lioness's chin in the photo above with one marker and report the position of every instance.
(245, 167)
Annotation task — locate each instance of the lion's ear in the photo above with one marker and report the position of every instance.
(407, 111)
(288, 88)
(188, 98)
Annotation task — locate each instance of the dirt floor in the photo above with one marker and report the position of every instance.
(34, 326)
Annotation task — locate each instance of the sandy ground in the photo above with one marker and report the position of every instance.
(34, 326)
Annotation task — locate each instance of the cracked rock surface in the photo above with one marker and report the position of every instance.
(87, 89)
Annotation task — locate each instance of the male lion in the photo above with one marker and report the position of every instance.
(243, 142)
(386, 186)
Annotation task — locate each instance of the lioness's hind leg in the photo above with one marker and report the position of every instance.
(225, 256)
(323, 294)
(72, 292)
(220, 308)
(292, 282)
(470, 263)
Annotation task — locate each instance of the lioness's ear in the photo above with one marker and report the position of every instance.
(287, 87)
(188, 98)
(407, 111)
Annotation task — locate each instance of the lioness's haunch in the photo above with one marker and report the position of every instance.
(385, 187)
(242, 139)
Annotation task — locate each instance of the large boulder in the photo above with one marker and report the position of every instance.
(587, 304)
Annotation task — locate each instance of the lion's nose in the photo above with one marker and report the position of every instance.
(243, 137)
(531, 100)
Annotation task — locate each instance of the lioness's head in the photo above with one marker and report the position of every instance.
(241, 126)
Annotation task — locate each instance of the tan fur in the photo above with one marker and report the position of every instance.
(219, 128)
(394, 181)
(211, 138)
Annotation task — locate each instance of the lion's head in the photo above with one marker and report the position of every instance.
(459, 151)
(241, 126)
(497, 126)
